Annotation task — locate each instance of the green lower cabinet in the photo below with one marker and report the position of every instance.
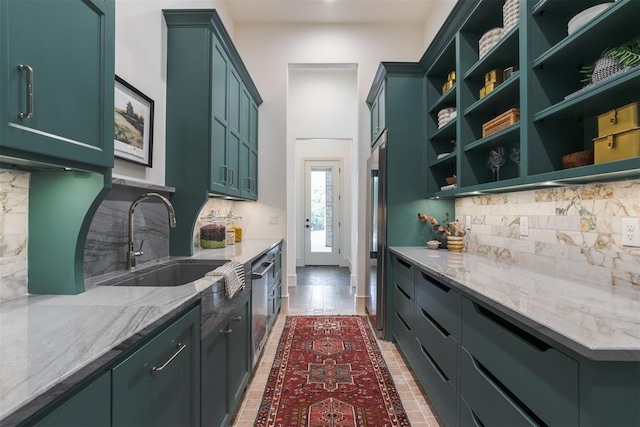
(225, 367)
(159, 384)
(90, 407)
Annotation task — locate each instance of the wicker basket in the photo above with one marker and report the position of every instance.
(451, 180)
(503, 121)
(580, 158)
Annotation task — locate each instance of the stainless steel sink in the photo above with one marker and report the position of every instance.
(174, 273)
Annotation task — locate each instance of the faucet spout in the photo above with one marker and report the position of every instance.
(132, 253)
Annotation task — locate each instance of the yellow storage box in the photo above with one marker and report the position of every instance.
(619, 120)
(619, 146)
(493, 76)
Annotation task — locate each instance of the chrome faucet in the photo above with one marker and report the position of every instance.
(132, 254)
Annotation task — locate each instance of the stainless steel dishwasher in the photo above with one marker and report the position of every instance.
(259, 288)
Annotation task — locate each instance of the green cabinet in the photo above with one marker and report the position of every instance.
(556, 115)
(159, 384)
(57, 108)
(225, 366)
(378, 114)
(212, 119)
(274, 291)
(89, 407)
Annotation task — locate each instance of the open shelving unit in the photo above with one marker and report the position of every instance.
(557, 115)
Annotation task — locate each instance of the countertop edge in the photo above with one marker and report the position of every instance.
(595, 354)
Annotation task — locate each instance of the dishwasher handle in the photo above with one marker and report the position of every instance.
(259, 274)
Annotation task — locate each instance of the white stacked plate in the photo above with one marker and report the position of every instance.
(510, 15)
(445, 116)
(585, 16)
(489, 40)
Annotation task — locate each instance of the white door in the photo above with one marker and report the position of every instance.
(321, 220)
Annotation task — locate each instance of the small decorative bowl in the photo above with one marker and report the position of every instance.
(433, 244)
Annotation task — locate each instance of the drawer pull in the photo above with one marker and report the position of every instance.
(508, 394)
(403, 263)
(435, 324)
(165, 364)
(435, 283)
(403, 322)
(433, 363)
(476, 420)
(534, 342)
(237, 318)
(227, 332)
(406, 295)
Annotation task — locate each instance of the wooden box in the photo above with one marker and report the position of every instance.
(500, 122)
(619, 146)
(493, 76)
(619, 120)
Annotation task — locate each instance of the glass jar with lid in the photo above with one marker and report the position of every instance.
(235, 221)
(213, 232)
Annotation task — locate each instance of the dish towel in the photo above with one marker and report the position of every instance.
(233, 275)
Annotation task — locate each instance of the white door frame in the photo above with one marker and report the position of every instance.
(334, 256)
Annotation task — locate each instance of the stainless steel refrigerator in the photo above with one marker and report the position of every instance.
(375, 265)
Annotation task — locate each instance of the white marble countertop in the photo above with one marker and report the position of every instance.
(597, 321)
(47, 339)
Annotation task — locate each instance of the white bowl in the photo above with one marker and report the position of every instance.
(433, 244)
(585, 16)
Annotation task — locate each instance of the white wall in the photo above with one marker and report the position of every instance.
(438, 12)
(322, 104)
(267, 50)
(141, 60)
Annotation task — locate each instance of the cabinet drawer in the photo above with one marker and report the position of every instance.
(467, 417)
(402, 333)
(489, 400)
(541, 377)
(402, 275)
(404, 305)
(442, 347)
(436, 384)
(440, 301)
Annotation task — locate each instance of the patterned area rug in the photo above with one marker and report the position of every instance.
(329, 372)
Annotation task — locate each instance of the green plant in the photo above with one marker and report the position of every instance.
(627, 55)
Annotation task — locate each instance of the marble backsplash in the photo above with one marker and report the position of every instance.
(573, 230)
(14, 224)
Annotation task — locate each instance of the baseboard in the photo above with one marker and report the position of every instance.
(360, 304)
(292, 280)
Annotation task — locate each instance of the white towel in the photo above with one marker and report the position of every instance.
(233, 274)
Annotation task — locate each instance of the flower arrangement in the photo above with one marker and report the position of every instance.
(453, 228)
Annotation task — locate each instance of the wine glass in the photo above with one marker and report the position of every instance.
(495, 160)
(514, 155)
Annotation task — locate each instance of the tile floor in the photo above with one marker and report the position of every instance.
(322, 291)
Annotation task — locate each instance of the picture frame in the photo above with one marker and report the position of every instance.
(133, 124)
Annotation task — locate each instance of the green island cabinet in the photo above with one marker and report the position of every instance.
(57, 123)
(274, 292)
(226, 366)
(212, 119)
(480, 367)
(157, 383)
(556, 119)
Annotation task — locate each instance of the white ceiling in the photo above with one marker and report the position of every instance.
(331, 11)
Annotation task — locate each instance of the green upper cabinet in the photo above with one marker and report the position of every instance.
(378, 114)
(557, 112)
(56, 82)
(205, 74)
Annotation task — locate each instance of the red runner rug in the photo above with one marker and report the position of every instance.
(329, 372)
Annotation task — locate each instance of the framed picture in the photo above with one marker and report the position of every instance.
(133, 124)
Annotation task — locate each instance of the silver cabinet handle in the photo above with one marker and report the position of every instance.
(165, 364)
(237, 318)
(227, 332)
(226, 173)
(233, 176)
(29, 113)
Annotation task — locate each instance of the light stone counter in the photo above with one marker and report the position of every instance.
(597, 321)
(48, 343)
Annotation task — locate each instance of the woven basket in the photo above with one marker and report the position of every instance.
(580, 158)
(500, 122)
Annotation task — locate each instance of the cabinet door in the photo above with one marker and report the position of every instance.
(58, 106)
(382, 110)
(219, 121)
(239, 354)
(89, 407)
(215, 396)
(374, 121)
(158, 385)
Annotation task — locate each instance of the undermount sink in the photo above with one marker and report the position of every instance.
(174, 273)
